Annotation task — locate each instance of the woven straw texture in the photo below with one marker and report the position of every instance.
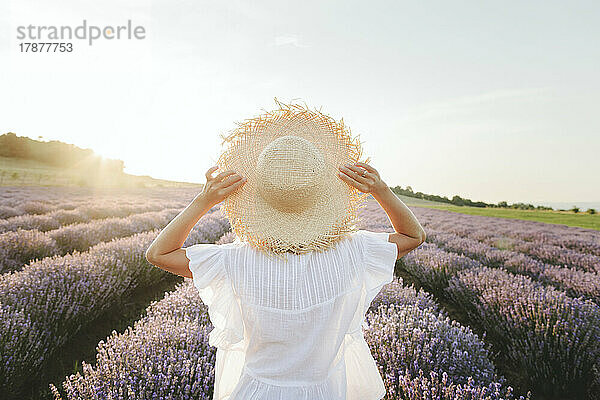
(293, 201)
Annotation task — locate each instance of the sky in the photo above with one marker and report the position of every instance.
(493, 101)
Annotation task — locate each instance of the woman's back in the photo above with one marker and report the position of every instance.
(292, 329)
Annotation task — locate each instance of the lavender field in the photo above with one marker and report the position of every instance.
(486, 308)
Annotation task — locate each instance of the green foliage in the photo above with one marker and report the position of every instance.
(456, 200)
(56, 154)
(462, 202)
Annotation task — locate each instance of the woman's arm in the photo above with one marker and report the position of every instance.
(165, 251)
(409, 232)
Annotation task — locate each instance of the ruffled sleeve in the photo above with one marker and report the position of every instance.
(210, 277)
(379, 261)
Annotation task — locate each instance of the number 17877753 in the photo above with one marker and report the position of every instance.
(46, 47)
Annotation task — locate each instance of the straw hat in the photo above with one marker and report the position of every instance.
(293, 200)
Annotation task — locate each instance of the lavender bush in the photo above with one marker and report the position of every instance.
(36, 207)
(433, 267)
(82, 236)
(9, 212)
(22, 246)
(548, 337)
(396, 293)
(435, 388)
(84, 213)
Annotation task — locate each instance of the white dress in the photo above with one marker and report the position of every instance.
(293, 330)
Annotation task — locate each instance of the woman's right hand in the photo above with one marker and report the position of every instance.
(219, 187)
(370, 182)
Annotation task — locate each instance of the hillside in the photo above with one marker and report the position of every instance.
(16, 172)
(28, 162)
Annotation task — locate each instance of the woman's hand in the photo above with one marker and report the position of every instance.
(219, 187)
(409, 233)
(366, 182)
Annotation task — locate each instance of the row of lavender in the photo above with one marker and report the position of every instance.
(45, 305)
(20, 247)
(45, 222)
(166, 353)
(551, 243)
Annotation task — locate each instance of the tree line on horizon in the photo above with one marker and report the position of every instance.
(55, 153)
(459, 201)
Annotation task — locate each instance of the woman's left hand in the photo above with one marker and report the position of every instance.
(219, 187)
(363, 177)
